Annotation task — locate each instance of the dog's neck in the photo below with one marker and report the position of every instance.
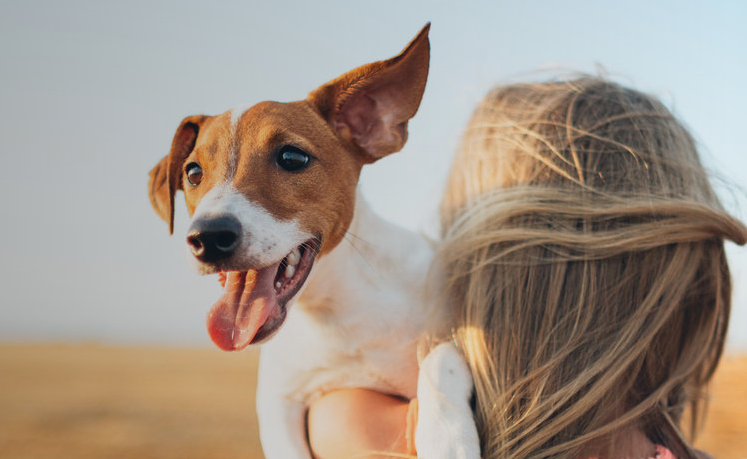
(361, 269)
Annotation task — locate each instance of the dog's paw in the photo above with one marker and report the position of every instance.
(445, 369)
(446, 427)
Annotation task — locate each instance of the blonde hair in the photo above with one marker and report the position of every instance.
(583, 247)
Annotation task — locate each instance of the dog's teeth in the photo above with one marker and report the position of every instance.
(294, 257)
(290, 270)
(278, 284)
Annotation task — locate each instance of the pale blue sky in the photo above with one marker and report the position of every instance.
(92, 92)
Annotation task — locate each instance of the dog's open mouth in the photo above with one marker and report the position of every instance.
(253, 305)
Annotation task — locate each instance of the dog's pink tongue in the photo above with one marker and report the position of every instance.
(247, 302)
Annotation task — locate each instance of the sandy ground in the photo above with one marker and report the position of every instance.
(90, 401)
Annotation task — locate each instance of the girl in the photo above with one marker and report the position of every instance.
(583, 246)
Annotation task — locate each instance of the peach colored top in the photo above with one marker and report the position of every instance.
(661, 453)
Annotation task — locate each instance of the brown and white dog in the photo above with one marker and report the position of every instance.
(272, 190)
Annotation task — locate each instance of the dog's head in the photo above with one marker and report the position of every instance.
(272, 186)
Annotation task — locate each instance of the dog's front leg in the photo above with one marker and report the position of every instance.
(446, 426)
(282, 427)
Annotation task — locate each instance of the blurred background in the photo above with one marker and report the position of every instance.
(101, 317)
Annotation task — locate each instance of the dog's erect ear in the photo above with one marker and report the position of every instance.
(371, 104)
(166, 177)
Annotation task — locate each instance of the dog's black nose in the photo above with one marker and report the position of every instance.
(214, 239)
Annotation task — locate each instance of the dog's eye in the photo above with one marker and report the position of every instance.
(194, 174)
(292, 159)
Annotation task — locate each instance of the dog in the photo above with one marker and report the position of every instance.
(334, 292)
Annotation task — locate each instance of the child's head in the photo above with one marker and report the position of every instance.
(585, 244)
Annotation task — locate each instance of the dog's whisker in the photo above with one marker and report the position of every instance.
(349, 233)
(358, 250)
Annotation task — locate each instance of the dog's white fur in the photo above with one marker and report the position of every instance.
(355, 323)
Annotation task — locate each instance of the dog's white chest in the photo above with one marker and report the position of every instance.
(358, 322)
(305, 360)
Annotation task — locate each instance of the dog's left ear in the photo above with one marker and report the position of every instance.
(166, 177)
(370, 105)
